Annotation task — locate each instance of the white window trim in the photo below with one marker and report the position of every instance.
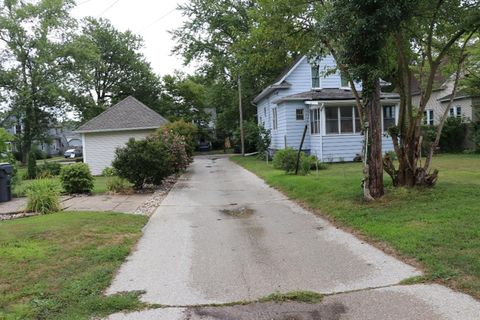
(320, 121)
(274, 119)
(355, 133)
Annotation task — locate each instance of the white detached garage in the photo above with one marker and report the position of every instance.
(113, 128)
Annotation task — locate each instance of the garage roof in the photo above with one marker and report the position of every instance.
(128, 114)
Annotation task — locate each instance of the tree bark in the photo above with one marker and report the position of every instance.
(373, 113)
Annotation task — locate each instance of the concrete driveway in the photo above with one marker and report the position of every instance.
(222, 235)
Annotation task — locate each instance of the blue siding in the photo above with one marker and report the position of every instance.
(346, 147)
(294, 127)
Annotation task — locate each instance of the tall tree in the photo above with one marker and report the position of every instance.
(435, 40)
(33, 34)
(184, 97)
(362, 30)
(105, 65)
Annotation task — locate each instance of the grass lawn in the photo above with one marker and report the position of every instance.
(99, 185)
(439, 227)
(57, 266)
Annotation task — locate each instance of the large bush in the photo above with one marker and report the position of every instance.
(257, 138)
(187, 130)
(143, 162)
(177, 147)
(475, 134)
(285, 159)
(453, 135)
(76, 178)
(43, 196)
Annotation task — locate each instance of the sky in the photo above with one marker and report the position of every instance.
(151, 19)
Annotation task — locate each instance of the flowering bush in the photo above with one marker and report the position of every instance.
(179, 159)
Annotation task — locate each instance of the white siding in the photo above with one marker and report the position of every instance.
(294, 127)
(99, 148)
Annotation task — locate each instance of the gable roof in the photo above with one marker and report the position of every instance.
(458, 96)
(128, 114)
(279, 82)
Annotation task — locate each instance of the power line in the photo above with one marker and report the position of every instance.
(108, 8)
(83, 2)
(159, 19)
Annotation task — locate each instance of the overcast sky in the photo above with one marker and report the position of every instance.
(149, 18)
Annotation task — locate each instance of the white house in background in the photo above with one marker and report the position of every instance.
(113, 128)
(317, 96)
(464, 105)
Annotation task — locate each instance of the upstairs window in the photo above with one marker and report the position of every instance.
(343, 80)
(274, 119)
(315, 76)
(299, 114)
(315, 121)
(428, 117)
(456, 112)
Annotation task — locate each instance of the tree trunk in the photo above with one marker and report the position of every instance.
(373, 113)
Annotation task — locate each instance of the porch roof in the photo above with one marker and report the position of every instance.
(329, 95)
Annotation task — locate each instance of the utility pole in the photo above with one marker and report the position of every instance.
(240, 110)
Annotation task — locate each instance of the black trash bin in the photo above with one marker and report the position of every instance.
(6, 171)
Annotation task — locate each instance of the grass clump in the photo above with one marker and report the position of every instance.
(119, 185)
(43, 196)
(298, 296)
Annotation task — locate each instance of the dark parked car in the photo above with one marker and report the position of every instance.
(204, 146)
(73, 153)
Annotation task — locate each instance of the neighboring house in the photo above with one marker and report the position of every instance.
(113, 128)
(59, 137)
(464, 106)
(317, 96)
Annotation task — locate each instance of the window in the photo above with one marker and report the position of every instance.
(299, 114)
(358, 126)
(346, 120)
(428, 117)
(331, 120)
(315, 121)
(315, 76)
(265, 112)
(343, 119)
(388, 117)
(343, 80)
(274, 119)
(456, 112)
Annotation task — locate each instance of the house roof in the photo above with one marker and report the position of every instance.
(279, 82)
(458, 96)
(329, 95)
(128, 114)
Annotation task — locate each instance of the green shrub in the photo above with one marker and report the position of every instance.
(257, 138)
(31, 165)
(453, 135)
(315, 163)
(285, 159)
(475, 133)
(119, 185)
(76, 178)
(49, 169)
(187, 130)
(108, 172)
(43, 196)
(305, 165)
(143, 162)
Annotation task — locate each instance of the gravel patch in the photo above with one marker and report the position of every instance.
(149, 206)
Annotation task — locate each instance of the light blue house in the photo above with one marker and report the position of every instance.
(317, 96)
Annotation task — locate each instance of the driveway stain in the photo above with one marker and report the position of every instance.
(238, 212)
